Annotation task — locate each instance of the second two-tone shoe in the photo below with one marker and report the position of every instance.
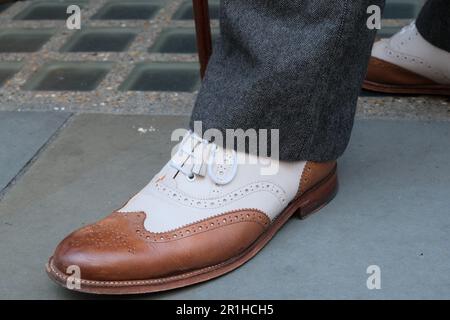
(203, 215)
(408, 64)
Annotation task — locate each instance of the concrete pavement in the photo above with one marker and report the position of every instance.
(393, 210)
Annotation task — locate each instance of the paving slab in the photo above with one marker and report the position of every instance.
(96, 164)
(392, 211)
(22, 134)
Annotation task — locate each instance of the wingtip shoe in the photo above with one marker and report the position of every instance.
(192, 222)
(408, 64)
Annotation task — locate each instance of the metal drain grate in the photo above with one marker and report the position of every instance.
(101, 40)
(127, 11)
(69, 76)
(47, 10)
(155, 39)
(179, 77)
(8, 69)
(186, 12)
(23, 40)
(177, 40)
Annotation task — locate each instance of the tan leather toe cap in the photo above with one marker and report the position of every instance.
(118, 248)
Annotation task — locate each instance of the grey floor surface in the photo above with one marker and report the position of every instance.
(393, 211)
(22, 134)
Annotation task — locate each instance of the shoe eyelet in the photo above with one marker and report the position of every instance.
(191, 178)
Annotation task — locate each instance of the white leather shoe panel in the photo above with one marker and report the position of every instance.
(172, 201)
(247, 172)
(169, 208)
(166, 215)
(409, 50)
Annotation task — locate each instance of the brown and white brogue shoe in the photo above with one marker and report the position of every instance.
(204, 214)
(407, 63)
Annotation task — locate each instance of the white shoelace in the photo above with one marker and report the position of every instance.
(191, 150)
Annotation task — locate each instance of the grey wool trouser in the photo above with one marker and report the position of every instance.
(292, 65)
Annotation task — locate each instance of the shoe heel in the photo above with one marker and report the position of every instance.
(317, 197)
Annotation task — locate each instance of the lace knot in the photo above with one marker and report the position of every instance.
(199, 157)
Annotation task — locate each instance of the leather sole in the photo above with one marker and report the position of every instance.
(432, 89)
(311, 201)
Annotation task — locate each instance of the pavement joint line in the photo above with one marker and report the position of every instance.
(27, 166)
